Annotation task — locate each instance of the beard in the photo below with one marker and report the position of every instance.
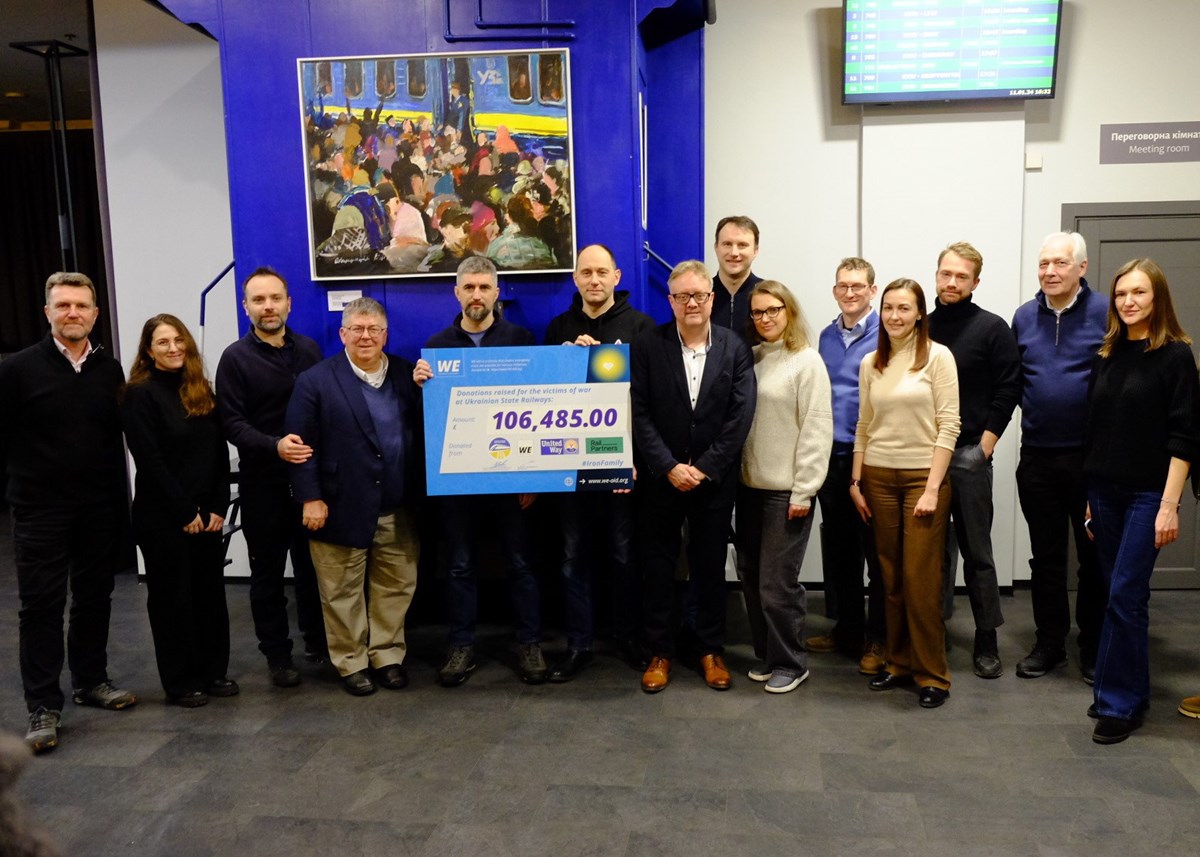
(477, 313)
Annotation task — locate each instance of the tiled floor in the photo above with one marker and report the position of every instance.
(595, 767)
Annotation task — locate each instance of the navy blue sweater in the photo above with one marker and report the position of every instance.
(1057, 352)
(501, 333)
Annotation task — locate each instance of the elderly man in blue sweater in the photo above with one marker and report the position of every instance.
(1058, 333)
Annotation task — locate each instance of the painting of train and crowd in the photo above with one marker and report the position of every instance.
(416, 162)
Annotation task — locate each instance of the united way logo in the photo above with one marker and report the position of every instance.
(560, 446)
(499, 449)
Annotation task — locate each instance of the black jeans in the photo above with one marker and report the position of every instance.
(1053, 496)
(271, 523)
(598, 526)
(55, 547)
(846, 543)
(971, 511)
(661, 513)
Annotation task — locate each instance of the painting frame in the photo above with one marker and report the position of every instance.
(414, 162)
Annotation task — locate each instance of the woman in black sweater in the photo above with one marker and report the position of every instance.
(1143, 437)
(181, 494)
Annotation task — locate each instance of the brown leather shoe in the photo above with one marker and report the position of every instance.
(873, 659)
(657, 675)
(716, 674)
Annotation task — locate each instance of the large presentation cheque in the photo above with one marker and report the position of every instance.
(534, 419)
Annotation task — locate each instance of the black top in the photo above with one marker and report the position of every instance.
(989, 366)
(1143, 410)
(182, 462)
(254, 383)
(733, 311)
(620, 322)
(60, 431)
(501, 333)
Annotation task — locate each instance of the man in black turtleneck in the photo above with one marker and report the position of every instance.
(989, 384)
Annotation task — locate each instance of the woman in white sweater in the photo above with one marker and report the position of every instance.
(783, 464)
(907, 426)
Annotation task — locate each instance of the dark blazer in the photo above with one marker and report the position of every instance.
(329, 411)
(667, 431)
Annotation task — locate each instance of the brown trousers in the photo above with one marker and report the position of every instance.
(910, 559)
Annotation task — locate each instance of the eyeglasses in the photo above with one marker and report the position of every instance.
(769, 312)
(358, 330)
(683, 298)
(850, 288)
(947, 276)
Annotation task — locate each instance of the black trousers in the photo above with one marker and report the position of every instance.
(846, 544)
(57, 547)
(661, 513)
(1053, 496)
(185, 598)
(271, 523)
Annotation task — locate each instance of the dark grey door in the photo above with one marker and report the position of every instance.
(1168, 233)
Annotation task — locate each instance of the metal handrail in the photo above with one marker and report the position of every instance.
(656, 257)
(204, 297)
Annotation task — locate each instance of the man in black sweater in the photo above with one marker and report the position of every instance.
(479, 325)
(594, 521)
(989, 384)
(60, 434)
(254, 383)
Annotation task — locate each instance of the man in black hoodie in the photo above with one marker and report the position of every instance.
(598, 314)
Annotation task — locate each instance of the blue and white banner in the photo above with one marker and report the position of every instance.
(527, 420)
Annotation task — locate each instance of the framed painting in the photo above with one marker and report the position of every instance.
(415, 162)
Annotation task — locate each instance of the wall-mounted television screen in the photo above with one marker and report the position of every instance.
(949, 50)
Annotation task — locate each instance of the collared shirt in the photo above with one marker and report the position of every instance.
(693, 365)
(849, 337)
(77, 365)
(1074, 298)
(375, 379)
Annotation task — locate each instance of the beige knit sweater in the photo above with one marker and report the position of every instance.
(903, 415)
(792, 434)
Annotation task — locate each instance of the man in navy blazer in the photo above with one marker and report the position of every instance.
(693, 394)
(360, 413)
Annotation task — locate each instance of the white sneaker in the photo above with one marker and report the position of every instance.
(759, 672)
(783, 683)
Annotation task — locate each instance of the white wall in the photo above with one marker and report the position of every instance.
(162, 129)
(782, 149)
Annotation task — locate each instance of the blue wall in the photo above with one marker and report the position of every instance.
(260, 41)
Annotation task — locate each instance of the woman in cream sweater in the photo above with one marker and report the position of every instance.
(907, 425)
(783, 464)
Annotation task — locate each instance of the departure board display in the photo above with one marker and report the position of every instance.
(943, 50)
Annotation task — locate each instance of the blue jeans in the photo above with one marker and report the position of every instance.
(1123, 521)
(466, 518)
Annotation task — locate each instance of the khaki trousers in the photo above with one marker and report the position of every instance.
(365, 624)
(910, 559)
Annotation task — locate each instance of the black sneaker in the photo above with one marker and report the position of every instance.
(43, 729)
(284, 673)
(1040, 661)
(986, 656)
(459, 664)
(1113, 730)
(531, 664)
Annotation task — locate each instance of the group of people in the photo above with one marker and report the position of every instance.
(398, 196)
(888, 420)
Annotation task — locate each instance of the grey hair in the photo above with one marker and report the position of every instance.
(475, 265)
(362, 306)
(1078, 245)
